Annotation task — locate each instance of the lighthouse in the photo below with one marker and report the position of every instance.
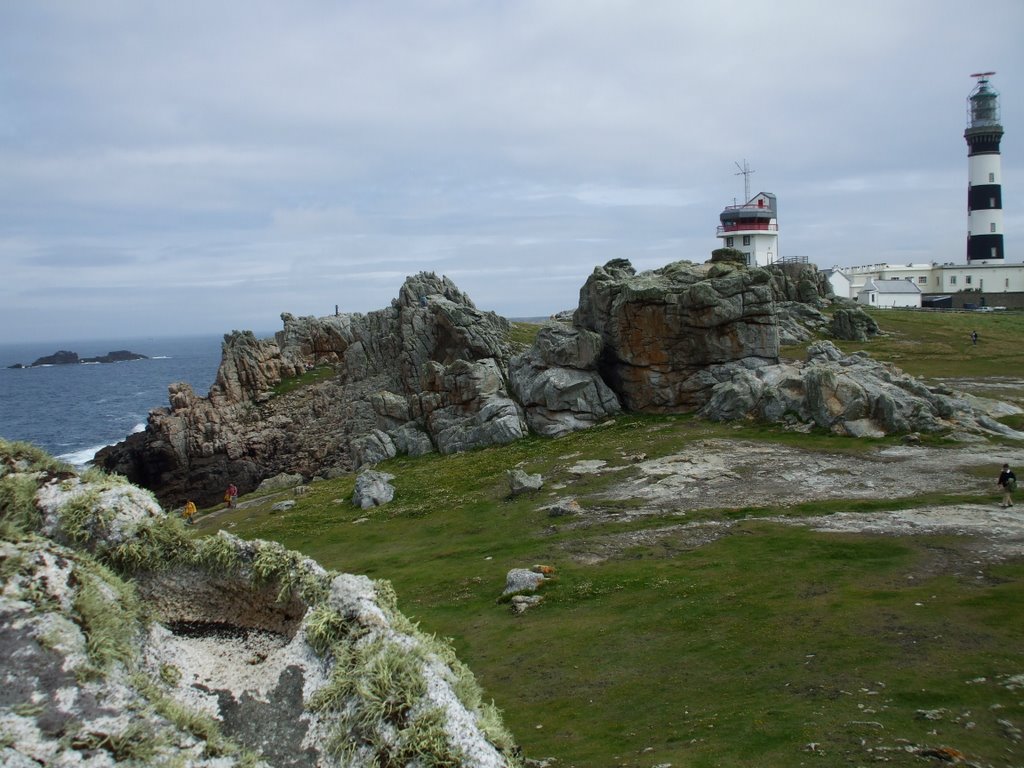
(752, 228)
(984, 182)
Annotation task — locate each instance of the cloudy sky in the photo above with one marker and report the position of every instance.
(202, 166)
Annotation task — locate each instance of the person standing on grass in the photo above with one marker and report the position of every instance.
(190, 512)
(974, 338)
(1008, 482)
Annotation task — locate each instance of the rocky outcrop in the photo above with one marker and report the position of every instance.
(332, 394)
(800, 282)
(846, 394)
(558, 383)
(665, 332)
(329, 395)
(853, 324)
(125, 640)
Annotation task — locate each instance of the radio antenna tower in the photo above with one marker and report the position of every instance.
(745, 171)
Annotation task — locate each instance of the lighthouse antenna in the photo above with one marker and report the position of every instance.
(745, 172)
(983, 75)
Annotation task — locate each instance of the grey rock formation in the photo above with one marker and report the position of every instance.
(800, 282)
(331, 393)
(848, 395)
(279, 482)
(126, 641)
(558, 384)
(666, 330)
(853, 324)
(373, 489)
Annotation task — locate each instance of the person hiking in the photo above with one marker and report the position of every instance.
(231, 496)
(1008, 482)
(189, 512)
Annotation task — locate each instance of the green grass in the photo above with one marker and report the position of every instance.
(740, 652)
(313, 376)
(934, 345)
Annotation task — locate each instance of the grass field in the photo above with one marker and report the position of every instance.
(770, 646)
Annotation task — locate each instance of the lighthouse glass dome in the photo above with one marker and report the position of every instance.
(983, 105)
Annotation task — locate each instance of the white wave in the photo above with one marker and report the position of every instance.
(161, 357)
(81, 458)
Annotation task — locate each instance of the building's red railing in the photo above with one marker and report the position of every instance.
(761, 226)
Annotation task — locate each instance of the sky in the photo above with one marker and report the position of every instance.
(203, 166)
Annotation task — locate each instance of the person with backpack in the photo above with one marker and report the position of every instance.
(1008, 482)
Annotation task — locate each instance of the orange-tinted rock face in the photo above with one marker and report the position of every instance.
(664, 331)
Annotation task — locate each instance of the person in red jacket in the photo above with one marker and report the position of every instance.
(231, 496)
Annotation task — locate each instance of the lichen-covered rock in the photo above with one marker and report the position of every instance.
(373, 489)
(131, 642)
(853, 324)
(558, 384)
(846, 394)
(662, 329)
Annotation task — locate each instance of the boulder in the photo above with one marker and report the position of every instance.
(522, 580)
(279, 482)
(283, 506)
(519, 482)
(853, 324)
(558, 384)
(373, 489)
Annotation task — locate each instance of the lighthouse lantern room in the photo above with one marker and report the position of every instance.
(984, 183)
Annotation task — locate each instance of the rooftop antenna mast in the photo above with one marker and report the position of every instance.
(745, 171)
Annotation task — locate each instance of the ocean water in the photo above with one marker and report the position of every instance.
(72, 411)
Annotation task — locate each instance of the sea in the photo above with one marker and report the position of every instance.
(72, 411)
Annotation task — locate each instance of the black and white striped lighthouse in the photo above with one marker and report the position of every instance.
(984, 187)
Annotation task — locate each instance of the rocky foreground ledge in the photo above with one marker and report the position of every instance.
(124, 640)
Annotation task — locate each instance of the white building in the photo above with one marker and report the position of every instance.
(890, 293)
(980, 276)
(752, 228)
(840, 282)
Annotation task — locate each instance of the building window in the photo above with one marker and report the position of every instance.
(749, 260)
(922, 280)
(967, 280)
(952, 279)
(991, 178)
(728, 242)
(992, 227)
(1006, 283)
(746, 239)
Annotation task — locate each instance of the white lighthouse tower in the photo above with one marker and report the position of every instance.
(984, 188)
(753, 227)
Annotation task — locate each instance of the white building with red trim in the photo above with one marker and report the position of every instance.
(753, 229)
